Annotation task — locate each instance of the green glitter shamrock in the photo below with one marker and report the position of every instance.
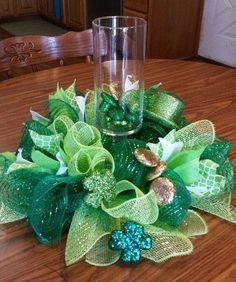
(131, 241)
(101, 186)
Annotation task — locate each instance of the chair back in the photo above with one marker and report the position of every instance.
(29, 50)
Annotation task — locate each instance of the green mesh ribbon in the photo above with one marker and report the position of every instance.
(90, 159)
(81, 135)
(88, 226)
(197, 134)
(163, 108)
(61, 125)
(193, 224)
(151, 131)
(132, 204)
(218, 205)
(166, 244)
(127, 167)
(90, 114)
(16, 190)
(57, 107)
(26, 142)
(49, 207)
(174, 212)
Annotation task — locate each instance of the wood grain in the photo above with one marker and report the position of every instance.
(30, 50)
(209, 92)
(173, 26)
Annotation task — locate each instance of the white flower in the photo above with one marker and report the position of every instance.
(81, 101)
(63, 168)
(167, 147)
(129, 85)
(37, 117)
(20, 159)
(170, 149)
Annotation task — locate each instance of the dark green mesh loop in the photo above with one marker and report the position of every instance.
(50, 211)
(57, 107)
(126, 165)
(174, 213)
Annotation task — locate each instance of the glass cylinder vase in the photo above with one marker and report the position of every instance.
(119, 54)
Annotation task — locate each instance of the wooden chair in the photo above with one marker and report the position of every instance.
(31, 50)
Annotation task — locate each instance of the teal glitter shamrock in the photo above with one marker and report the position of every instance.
(101, 187)
(131, 241)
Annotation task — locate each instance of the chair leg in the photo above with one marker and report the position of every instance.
(89, 60)
(34, 68)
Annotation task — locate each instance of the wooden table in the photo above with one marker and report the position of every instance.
(209, 92)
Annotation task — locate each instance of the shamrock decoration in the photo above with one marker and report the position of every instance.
(131, 241)
(101, 186)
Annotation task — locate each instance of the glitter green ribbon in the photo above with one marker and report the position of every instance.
(163, 108)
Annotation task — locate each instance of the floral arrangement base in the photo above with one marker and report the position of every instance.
(123, 199)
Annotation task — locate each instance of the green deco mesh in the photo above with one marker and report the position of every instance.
(166, 244)
(127, 167)
(57, 107)
(218, 152)
(18, 188)
(26, 143)
(87, 227)
(174, 212)
(49, 214)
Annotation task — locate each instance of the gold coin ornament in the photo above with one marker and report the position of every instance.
(156, 171)
(146, 157)
(164, 189)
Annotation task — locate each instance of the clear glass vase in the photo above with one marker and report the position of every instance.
(119, 54)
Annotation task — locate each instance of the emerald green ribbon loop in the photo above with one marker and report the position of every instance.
(49, 215)
(174, 213)
(127, 166)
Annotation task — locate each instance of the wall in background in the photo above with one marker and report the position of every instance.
(218, 33)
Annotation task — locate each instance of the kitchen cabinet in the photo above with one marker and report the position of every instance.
(173, 25)
(6, 8)
(75, 14)
(25, 7)
(45, 8)
(16, 8)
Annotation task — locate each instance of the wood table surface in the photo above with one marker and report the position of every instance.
(209, 92)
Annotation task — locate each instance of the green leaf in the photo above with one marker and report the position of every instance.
(189, 172)
(44, 161)
(184, 157)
